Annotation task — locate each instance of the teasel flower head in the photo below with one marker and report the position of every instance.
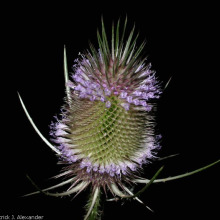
(105, 133)
(106, 130)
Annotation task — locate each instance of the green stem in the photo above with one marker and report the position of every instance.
(93, 205)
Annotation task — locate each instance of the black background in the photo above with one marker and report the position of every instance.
(182, 42)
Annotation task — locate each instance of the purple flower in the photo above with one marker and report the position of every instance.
(107, 92)
(123, 95)
(136, 101)
(129, 99)
(108, 104)
(126, 106)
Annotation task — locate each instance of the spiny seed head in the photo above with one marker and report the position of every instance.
(106, 131)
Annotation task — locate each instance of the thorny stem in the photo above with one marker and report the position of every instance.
(92, 207)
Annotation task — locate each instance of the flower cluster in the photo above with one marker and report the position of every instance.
(88, 86)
